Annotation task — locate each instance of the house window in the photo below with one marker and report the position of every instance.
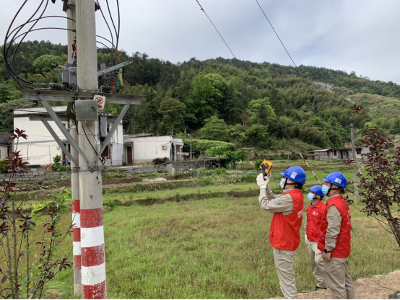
(334, 152)
(358, 151)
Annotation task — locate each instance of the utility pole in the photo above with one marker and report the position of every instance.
(354, 154)
(190, 154)
(71, 14)
(90, 181)
(76, 217)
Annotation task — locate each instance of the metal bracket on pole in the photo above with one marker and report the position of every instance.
(59, 142)
(60, 125)
(92, 169)
(111, 133)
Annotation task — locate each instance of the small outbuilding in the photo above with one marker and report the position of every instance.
(338, 153)
(144, 148)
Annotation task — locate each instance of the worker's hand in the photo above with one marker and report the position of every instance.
(326, 256)
(261, 182)
(305, 239)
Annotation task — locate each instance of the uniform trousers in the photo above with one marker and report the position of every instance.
(284, 261)
(317, 263)
(338, 278)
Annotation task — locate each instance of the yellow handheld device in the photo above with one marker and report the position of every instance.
(266, 167)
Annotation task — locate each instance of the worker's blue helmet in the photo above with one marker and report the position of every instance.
(318, 190)
(296, 174)
(337, 178)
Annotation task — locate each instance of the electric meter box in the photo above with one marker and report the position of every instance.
(86, 110)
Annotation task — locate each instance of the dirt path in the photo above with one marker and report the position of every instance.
(377, 287)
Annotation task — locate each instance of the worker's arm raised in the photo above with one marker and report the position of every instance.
(275, 204)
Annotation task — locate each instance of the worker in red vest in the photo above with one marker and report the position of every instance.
(334, 238)
(286, 222)
(315, 212)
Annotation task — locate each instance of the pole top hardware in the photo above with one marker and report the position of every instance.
(62, 96)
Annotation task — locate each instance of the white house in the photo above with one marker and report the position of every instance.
(143, 148)
(40, 147)
(5, 145)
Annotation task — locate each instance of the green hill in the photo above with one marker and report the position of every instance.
(262, 105)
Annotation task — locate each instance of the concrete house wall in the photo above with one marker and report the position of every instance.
(40, 147)
(145, 149)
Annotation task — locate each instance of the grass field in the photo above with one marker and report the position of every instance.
(216, 248)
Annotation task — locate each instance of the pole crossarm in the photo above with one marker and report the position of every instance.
(111, 133)
(61, 126)
(59, 142)
(60, 96)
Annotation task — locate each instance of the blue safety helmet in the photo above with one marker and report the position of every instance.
(318, 190)
(337, 178)
(296, 174)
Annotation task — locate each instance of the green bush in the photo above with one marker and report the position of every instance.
(55, 167)
(3, 165)
(201, 146)
(57, 158)
(63, 168)
(257, 164)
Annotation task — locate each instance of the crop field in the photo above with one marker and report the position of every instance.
(211, 240)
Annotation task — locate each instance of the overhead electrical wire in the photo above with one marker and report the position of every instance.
(119, 23)
(112, 21)
(276, 33)
(214, 27)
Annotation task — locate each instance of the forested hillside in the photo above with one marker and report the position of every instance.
(259, 105)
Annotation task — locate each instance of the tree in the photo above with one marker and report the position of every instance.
(215, 129)
(379, 186)
(257, 135)
(230, 156)
(8, 92)
(207, 94)
(261, 111)
(173, 112)
(6, 111)
(47, 63)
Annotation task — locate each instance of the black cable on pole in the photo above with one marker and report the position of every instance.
(119, 22)
(215, 27)
(6, 49)
(276, 33)
(112, 21)
(109, 28)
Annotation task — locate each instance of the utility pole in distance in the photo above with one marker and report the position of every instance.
(76, 218)
(354, 154)
(90, 181)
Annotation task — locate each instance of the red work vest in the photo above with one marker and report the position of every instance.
(314, 218)
(342, 248)
(285, 229)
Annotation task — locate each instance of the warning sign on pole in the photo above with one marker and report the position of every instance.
(101, 101)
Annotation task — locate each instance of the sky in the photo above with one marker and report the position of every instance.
(348, 35)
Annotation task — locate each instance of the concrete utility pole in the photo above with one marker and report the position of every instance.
(71, 13)
(76, 217)
(355, 171)
(90, 182)
(190, 154)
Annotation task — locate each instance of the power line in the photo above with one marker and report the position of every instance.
(215, 28)
(276, 33)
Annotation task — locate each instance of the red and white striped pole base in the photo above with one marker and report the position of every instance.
(76, 237)
(93, 255)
